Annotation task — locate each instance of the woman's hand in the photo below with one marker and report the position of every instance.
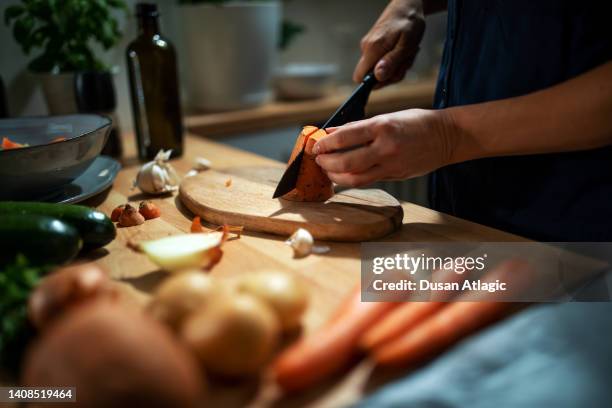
(392, 43)
(393, 146)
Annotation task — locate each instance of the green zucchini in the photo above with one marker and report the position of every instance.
(42, 240)
(95, 228)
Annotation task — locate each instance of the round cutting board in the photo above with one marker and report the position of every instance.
(243, 196)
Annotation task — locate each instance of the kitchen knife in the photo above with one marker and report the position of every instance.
(351, 110)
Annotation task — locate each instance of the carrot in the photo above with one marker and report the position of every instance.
(399, 321)
(331, 347)
(409, 315)
(439, 332)
(454, 322)
(312, 184)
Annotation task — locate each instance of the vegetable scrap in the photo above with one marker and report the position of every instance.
(130, 217)
(196, 224)
(116, 214)
(184, 251)
(149, 210)
(8, 144)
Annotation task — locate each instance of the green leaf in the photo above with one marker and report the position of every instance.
(12, 12)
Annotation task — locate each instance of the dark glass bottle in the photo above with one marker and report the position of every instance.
(3, 105)
(154, 88)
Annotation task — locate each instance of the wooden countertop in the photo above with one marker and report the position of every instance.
(282, 113)
(328, 277)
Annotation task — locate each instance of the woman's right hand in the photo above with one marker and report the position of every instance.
(392, 43)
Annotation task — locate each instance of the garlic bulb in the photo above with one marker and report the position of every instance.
(158, 176)
(303, 244)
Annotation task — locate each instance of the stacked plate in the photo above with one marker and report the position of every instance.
(55, 158)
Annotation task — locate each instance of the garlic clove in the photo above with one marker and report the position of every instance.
(302, 243)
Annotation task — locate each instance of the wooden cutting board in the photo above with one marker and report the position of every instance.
(243, 196)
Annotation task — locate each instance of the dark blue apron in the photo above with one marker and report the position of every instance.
(499, 49)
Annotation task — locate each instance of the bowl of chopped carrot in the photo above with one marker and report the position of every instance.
(41, 154)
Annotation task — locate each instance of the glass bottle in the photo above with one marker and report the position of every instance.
(154, 87)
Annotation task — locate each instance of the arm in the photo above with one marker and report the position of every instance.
(573, 115)
(393, 42)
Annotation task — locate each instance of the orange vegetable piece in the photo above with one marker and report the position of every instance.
(331, 347)
(312, 184)
(149, 210)
(116, 214)
(196, 224)
(9, 144)
(58, 139)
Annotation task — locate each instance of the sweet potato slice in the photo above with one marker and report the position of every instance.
(312, 184)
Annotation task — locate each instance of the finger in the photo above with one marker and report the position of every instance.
(353, 161)
(397, 61)
(373, 51)
(347, 136)
(357, 180)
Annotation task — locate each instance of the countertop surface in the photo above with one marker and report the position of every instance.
(329, 277)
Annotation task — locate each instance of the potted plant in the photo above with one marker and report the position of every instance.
(231, 50)
(62, 34)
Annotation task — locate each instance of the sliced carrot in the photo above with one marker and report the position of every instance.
(9, 144)
(196, 224)
(58, 139)
(330, 348)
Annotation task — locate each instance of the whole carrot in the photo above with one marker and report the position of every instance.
(397, 322)
(407, 316)
(330, 348)
(440, 331)
(454, 322)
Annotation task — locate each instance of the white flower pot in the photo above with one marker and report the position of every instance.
(230, 51)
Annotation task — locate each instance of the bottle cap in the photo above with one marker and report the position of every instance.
(146, 10)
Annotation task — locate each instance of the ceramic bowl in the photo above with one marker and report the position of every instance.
(304, 81)
(47, 164)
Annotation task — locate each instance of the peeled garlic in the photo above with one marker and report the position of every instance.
(303, 244)
(158, 176)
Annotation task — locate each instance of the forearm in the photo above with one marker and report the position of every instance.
(574, 115)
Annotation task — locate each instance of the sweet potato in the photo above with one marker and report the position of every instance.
(312, 184)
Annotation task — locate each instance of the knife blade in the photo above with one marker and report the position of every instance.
(351, 110)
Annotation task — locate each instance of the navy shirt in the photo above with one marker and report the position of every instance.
(499, 49)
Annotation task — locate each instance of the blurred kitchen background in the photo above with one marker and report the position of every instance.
(324, 45)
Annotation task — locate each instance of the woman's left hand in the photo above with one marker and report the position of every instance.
(393, 146)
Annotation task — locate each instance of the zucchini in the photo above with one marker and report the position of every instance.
(95, 228)
(42, 240)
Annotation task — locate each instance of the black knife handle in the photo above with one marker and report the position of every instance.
(370, 80)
